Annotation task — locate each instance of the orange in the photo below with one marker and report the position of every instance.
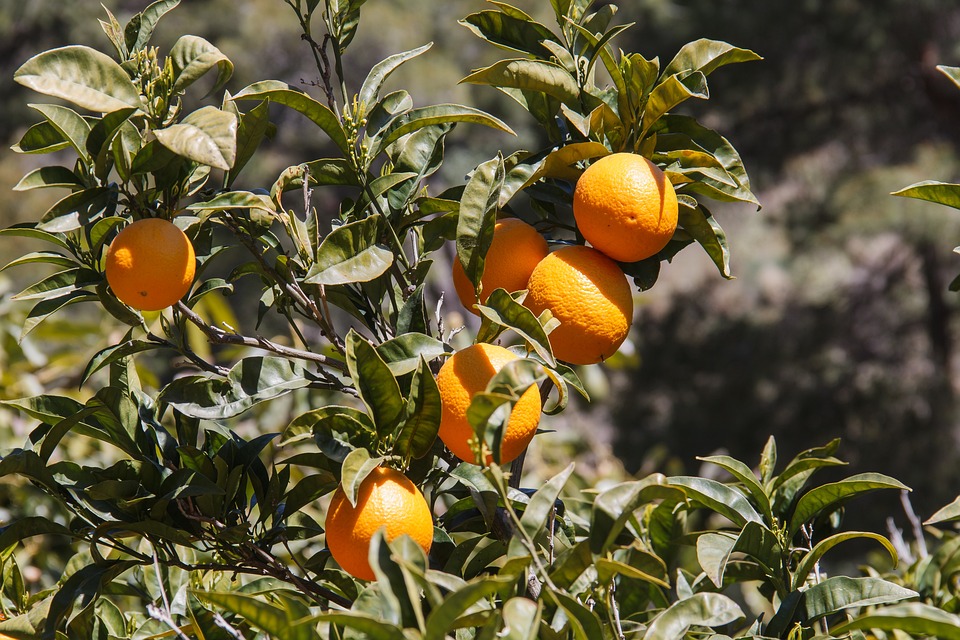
(625, 207)
(588, 293)
(150, 264)
(386, 499)
(514, 252)
(464, 375)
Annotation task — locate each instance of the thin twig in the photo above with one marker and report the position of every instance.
(190, 355)
(914, 522)
(226, 626)
(615, 609)
(219, 336)
(158, 614)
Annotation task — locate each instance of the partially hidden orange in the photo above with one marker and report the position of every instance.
(387, 499)
(150, 265)
(625, 207)
(590, 296)
(464, 375)
(514, 252)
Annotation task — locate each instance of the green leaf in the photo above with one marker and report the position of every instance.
(583, 622)
(840, 592)
(811, 557)
(478, 214)
(676, 131)
(338, 430)
(52, 176)
(725, 500)
(114, 353)
(826, 498)
(375, 383)
(539, 510)
(500, 308)
(235, 200)
(509, 32)
(699, 610)
(521, 619)
(557, 164)
(415, 119)
(707, 55)
(44, 257)
(613, 507)
(81, 75)
(421, 422)
(671, 92)
(326, 171)
(745, 475)
(356, 467)
(953, 73)
(444, 617)
(403, 353)
(949, 513)
(608, 569)
(254, 126)
(713, 551)
(317, 112)
(530, 75)
(69, 123)
(351, 253)
(192, 57)
(141, 27)
(75, 210)
(262, 615)
(705, 229)
(381, 71)
(916, 618)
(42, 137)
(28, 527)
(207, 136)
(46, 308)
(932, 191)
(251, 381)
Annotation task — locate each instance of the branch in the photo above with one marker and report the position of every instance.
(219, 336)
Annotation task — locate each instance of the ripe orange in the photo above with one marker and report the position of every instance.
(514, 252)
(625, 207)
(467, 373)
(150, 264)
(387, 499)
(588, 293)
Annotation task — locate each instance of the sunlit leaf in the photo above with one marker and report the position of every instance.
(81, 75)
(513, 33)
(403, 353)
(916, 618)
(699, 610)
(840, 592)
(351, 253)
(193, 57)
(207, 136)
(141, 27)
(382, 70)
(478, 212)
(725, 500)
(705, 56)
(825, 498)
(813, 556)
(949, 513)
(530, 75)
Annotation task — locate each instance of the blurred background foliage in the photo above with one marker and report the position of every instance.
(839, 322)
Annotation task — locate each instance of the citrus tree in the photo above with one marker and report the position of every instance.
(384, 506)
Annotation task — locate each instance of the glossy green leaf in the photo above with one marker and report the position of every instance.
(501, 309)
(403, 353)
(583, 622)
(69, 123)
(326, 171)
(726, 500)
(81, 75)
(705, 56)
(613, 507)
(30, 526)
(253, 127)
(557, 164)
(356, 467)
(444, 617)
(932, 191)
(42, 137)
(46, 308)
(207, 136)
(521, 619)
(916, 618)
(251, 381)
(810, 559)
(368, 626)
(705, 229)
(713, 551)
(375, 383)
(270, 618)
(745, 475)
(422, 416)
(337, 430)
(351, 253)
(699, 610)
(114, 353)
(840, 592)
(141, 27)
(75, 210)
(478, 213)
(530, 75)
(235, 200)
(192, 57)
(675, 131)
(52, 176)
(949, 513)
(42, 257)
(671, 92)
(540, 509)
(317, 112)
(608, 569)
(825, 498)
(415, 119)
(382, 70)
(509, 32)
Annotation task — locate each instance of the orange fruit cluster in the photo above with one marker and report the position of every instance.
(150, 265)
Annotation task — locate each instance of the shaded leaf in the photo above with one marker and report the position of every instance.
(725, 500)
(52, 176)
(375, 383)
(501, 309)
(510, 32)
(477, 218)
(421, 422)
(141, 27)
(267, 617)
(415, 119)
